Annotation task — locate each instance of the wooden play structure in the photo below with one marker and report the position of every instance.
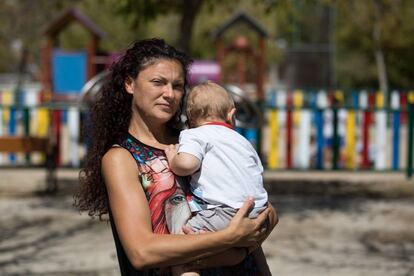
(35, 124)
(245, 52)
(51, 54)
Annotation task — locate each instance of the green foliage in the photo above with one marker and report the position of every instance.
(356, 21)
(138, 12)
(288, 22)
(355, 45)
(118, 33)
(207, 23)
(22, 23)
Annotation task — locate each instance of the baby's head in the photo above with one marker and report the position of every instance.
(209, 102)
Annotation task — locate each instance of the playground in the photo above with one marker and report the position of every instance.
(330, 224)
(291, 128)
(338, 163)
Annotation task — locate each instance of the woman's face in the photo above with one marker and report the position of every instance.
(157, 91)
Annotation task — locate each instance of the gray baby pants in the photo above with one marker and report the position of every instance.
(216, 219)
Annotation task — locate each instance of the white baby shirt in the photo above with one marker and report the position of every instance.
(230, 167)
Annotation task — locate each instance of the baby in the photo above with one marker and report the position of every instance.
(224, 167)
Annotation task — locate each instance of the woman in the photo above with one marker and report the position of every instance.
(127, 175)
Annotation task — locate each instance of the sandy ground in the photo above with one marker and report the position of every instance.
(330, 224)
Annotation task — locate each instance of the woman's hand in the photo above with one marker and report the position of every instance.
(272, 219)
(248, 232)
(271, 222)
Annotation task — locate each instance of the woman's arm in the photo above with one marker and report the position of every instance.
(145, 249)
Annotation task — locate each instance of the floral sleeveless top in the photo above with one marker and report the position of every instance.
(167, 199)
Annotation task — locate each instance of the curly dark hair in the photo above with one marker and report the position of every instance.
(111, 115)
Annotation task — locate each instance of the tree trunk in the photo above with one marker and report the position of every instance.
(189, 12)
(22, 67)
(379, 54)
(382, 70)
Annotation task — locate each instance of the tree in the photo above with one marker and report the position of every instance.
(142, 11)
(24, 33)
(380, 28)
(373, 38)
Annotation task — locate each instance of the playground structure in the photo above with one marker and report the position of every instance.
(245, 52)
(46, 119)
(59, 79)
(249, 110)
(293, 129)
(238, 77)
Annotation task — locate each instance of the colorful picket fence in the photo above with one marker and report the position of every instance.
(38, 121)
(303, 130)
(337, 130)
(23, 114)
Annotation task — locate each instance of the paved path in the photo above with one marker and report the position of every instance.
(330, 224)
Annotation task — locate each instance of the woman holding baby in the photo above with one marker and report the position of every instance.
(127, 175)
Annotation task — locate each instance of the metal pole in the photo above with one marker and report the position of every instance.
(410, 134)
(335, 136)
(26, 120)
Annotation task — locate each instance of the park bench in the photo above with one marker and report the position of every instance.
(18, 144)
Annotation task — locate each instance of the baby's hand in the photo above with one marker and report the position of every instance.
(188, 231)
(171, 151)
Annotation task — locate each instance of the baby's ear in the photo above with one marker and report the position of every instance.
(231, 117)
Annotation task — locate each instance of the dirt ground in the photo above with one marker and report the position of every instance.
(330, 224)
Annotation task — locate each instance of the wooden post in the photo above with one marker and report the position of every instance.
(410, 140)
(289, 130)
(395, 106)
(91, 53)
(261, 68)
(241, 67)
(220, 57)
(46, 64)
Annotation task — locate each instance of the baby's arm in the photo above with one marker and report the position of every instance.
(182, 163)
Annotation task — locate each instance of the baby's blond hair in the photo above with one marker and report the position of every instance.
(208, 101)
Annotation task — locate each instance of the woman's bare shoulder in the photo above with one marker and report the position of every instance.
(116, 154)
(118, 160)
